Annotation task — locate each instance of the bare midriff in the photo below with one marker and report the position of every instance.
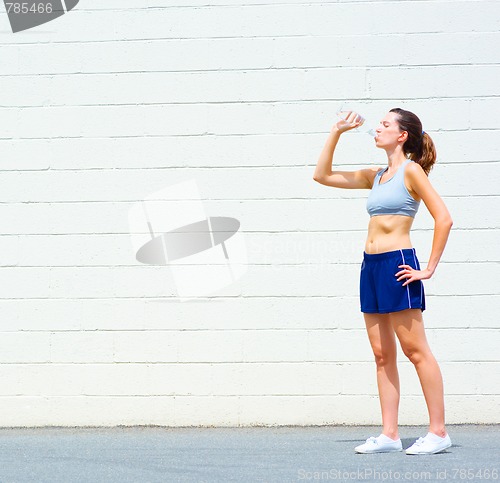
(387, 233)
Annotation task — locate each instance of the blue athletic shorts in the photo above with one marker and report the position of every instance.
(379, 290)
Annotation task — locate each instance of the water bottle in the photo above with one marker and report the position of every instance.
(342, 114)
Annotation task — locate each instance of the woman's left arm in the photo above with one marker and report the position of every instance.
(421, 185)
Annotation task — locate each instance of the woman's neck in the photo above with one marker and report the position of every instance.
(395, 158)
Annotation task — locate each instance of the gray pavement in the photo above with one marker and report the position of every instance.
(257, 454)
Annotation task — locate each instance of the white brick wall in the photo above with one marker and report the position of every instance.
(118, 99)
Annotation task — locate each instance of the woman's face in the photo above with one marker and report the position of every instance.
(388, 133)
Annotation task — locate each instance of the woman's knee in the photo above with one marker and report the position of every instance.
(415, 354)
(384, 357)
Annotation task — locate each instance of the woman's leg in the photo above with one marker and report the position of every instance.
(409, 327)
(383, 342)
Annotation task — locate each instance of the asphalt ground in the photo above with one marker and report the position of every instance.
(250, 454)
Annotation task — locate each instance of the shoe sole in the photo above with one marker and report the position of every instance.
(374, 452)
(432, 452)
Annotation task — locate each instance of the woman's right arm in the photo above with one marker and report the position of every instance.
(324, 174)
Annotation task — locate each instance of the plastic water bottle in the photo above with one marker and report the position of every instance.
(342, 114)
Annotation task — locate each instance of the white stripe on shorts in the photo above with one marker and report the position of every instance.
(421, 284)
(407, 288)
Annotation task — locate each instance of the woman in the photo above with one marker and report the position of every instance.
(391, 289)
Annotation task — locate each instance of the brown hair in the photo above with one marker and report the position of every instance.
(419, 146)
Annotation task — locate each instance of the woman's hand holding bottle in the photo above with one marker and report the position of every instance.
(348, 120)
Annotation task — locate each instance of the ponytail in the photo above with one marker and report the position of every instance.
(419, 146)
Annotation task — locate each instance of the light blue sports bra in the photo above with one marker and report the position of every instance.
(391, 197)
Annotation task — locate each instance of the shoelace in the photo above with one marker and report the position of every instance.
(372, 439)
(419, 441)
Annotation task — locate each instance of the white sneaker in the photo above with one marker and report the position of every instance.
(430, 444)
(380, 444)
